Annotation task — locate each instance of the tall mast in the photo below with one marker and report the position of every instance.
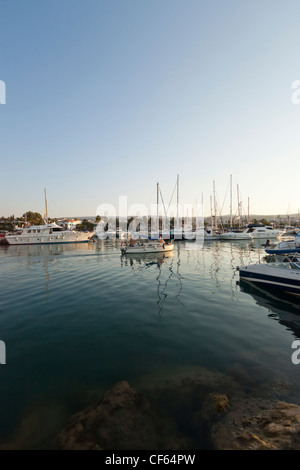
(157, 203)
(215, 206)
(230, 200)
(177, 201)
(248, 210)
(46, 207)
(238, 200)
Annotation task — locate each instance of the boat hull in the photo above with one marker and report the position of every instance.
(286, 280)
(235, 236)
(266, 235)
(283, 251)
(147, 248)
(48, 239)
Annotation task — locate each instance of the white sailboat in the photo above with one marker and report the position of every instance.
(235, 234)
(176, 232)
(212, 233)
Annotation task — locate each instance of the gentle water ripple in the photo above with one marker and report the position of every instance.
(82, 316)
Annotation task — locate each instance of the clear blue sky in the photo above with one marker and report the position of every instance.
(107, 97)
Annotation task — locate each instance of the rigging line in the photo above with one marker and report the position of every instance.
(53, 203)
(150, 197)
(172, 197)
(163, 203)
(224, 199)
(220, 212)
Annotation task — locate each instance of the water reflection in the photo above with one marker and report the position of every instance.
(282, 307)
(160, 261)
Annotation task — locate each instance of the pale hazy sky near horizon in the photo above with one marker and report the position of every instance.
(105, 98)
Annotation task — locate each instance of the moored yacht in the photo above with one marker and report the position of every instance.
(47, 234)
(264, 231)
(236, 235)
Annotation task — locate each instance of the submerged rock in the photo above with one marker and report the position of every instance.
(122, 420)
(259, 426)
(193, 408)
(207, 410)
(221, 402)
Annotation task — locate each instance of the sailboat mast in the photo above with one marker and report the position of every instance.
(177, 223)
(215, 206)
(238, 201)
(248, 210)
(157, 203)
(230, 200)
(46, 206)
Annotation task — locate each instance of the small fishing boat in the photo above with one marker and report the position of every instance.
(146, 247)
(284, 277)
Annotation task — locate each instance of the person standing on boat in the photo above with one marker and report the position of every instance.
(161, 240)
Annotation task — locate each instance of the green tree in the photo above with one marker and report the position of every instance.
(264, 221)
(85, 226)
(33, 218)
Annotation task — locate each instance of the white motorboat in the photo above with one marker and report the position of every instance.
(283, 276)
(146, 247)
(236, 235)
(263, 231)
(290, 230)
(47, 234)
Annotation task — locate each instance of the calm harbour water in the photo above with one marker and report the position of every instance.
(77, 318)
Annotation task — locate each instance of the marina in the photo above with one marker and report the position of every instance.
(149, 234)
(99, 317)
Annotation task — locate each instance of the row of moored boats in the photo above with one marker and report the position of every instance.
(283, 275)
